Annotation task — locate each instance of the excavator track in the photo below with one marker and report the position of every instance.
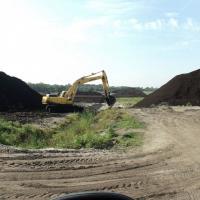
(59, 108)
(67, 108)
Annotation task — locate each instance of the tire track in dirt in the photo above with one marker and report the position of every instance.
(166, 167)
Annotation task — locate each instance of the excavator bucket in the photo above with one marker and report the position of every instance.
(110, 100)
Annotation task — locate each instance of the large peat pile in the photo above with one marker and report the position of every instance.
(181, 90)
(89, 97)
(17, 95)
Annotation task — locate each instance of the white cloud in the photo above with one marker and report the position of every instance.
(121, 18)
(173, 23)
(190, 25)
(136, 24)
(79, 31)
(35, 49)
(179, 45)
(112, 7)
(158, 24)
(171, 14)
(185, 43)
(117, 23)
(154, 25)
(161, 24)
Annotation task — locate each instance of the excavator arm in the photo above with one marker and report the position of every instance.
(70, 94)
(67, 97)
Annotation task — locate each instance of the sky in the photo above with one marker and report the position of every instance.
(137, 42)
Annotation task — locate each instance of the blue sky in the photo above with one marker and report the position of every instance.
(138, 42)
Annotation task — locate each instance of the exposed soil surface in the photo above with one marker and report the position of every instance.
(40, 119)
(89, 97)
(17, 95)
(182, 90)
(166, 167)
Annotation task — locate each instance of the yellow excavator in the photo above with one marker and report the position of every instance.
(64, 102)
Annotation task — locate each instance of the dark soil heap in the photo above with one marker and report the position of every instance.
(128, 92)
(89, 97)
(16, 95)
(181, 90)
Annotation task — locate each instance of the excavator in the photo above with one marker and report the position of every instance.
(64, 102)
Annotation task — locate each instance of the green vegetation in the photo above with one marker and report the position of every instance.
(104, 129)
(188, 104)
(131, 139)
(47, 88)
(149, 90)
(14, 133)
(129, 101)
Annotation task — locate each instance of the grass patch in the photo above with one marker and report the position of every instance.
(130, 139)
(14, 133)
(129, 101)
(83, 130)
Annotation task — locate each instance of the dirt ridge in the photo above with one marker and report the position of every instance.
(181, 90)
(16, 95)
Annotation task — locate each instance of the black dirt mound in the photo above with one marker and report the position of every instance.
(89, 97)
(181, 90)
(16, 95)
(128, 92)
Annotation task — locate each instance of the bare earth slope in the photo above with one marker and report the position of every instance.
(181, 90)
(166, 167)
(15, 94)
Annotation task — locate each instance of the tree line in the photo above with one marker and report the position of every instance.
(47, 88)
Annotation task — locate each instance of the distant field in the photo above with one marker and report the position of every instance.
(148, 92)
(129, 101)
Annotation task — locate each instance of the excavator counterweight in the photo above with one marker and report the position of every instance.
(65, 101)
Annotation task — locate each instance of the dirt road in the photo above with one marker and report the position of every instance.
(166, 167)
